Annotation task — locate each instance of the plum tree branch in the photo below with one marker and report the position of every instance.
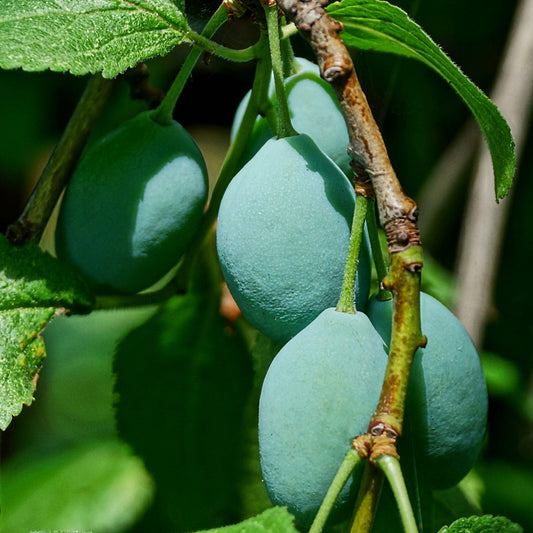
(398, 215)
(397, 212)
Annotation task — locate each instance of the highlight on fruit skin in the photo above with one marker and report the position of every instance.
(132, 205)
(319, 393)
(447, 403)
(282, 237)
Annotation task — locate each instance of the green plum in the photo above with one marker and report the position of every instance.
(314, 111)
(446, 409)
(282, 237)
(305, 66)
(132, 205)
(319, 393)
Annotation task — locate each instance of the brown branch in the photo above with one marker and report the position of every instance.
(397, 212)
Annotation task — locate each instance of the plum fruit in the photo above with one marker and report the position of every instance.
(132, 205)
(314, 111)
(282, 237)
(319, 393)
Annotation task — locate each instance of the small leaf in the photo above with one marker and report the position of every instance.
(87, 36)
(182, 382)
(482, 524)
(379, 26)
(275, 520)
(32, 286)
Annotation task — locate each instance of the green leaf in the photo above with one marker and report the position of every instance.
(275, 520)
(87, 36)
(99, 486)
(379, 26)
(32, 286)
(182, 379)
(482, 524)
(30, 277)
(21, 356)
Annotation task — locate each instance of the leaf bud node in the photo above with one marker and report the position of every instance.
(402, 233)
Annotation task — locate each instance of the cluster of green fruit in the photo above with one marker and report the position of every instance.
(283, 230)
(323, 386)
(282, 239)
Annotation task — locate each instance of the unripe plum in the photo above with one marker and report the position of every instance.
(314, 111)
(305, 66)
(319, 393)
(446, 409)
(282, 237)
(132, 205)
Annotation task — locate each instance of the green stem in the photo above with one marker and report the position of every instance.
(404, 281)
(285, 128)
(391, 468)
(377, 252)
(367, 499)
(351, 460)
(164, 112)
(32, 222)
(347, 303)
(242, 55)
(288, 31)
(230, 166)
(290, 65)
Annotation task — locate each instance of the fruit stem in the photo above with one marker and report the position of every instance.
(32, 222)
(367, 499)
(377, 252)
(230, 166)
(351, 460)
(290, 65)
(391, 468)
(237, 55)
(164, 112)
(284, 128)
(347, 302)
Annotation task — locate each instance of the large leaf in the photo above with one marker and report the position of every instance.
(275, 520)
(87, 36)
(380, 26)
(33, 286)
(182, 381)
(99, 486)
